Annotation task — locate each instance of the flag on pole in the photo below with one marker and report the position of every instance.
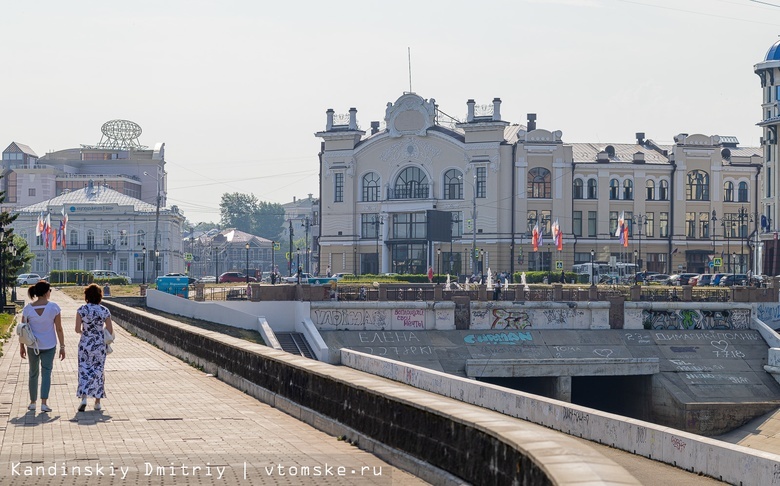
(54, 239)
(622, 229)
(535, 237)
(64, 222)
(557, 235)
(61, 234)
(39, 226)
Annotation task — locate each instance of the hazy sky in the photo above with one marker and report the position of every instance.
(237, 88)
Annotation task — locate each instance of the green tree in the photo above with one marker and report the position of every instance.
(269, 220)
(238, 210)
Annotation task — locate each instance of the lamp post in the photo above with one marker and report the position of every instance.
(273, 262)
(12, 250)
(714, 220)
(247, 263)
(592, 254)
(156, 264)
(216, 261)
(143, 266)
(733, 275)
(635, 258)
(641, 220)
(156, 224)
(726, 223)
(377, 222)
(3, 266)
(354, 260)
(474, 254)
(742, 215)
(289, 264)
(438, 269)
(481, 262)
(298, 258)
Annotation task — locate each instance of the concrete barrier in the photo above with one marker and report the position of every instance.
(720, 460)
(412, 429)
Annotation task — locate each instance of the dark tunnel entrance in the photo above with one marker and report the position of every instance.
(629, 396)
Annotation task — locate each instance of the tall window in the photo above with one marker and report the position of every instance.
(577, 223)
(614, 189)
(409, 225)
(704, 225)
(457, 224)
(90, 239)
(592, 226)
(338, 187)
(74, 238)
(650, 225)
(577, 190)
(663, 191)
(123, 237)
(107, 237)
(728, 191)
(369, 226)
(481, 182)
(593, 192)
(697, 187)
(613, 222)
(690, 225)
(140, 238)
(650, 188)
(628, 190)
(539, 183)
(371, 187)
(663, 225)
(742, 192)
(411, 183)
(453, 184)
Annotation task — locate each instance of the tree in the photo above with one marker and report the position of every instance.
(269, 220)
(237, 211)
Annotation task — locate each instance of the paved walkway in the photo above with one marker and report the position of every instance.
(164, 422)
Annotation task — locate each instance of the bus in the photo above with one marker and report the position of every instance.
(603, 272)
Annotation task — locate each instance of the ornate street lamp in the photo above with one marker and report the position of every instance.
(143, 266)
(438, 254)
(247, 263)
(592, 254)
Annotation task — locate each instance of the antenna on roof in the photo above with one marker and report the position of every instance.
(409, 52)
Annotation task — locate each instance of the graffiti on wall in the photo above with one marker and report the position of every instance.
(341, 318)
(510, 319)
(696, 319)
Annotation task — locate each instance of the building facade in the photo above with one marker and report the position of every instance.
(691, 206)
(217, 252)
(106, 230)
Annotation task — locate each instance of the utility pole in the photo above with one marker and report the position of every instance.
(306, 229)
(289, 263)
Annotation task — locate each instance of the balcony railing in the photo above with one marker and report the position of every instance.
(420, 191)
(90, 247)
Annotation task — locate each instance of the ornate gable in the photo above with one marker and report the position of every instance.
(410, 115)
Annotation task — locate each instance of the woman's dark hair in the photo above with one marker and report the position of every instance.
(39, 290)
(93, 294)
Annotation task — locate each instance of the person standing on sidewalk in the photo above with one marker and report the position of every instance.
(90, 320)
(46, 324)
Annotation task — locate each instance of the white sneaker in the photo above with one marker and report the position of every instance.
(45, 408)
(83, 405)
(31, 407)
(98, 406)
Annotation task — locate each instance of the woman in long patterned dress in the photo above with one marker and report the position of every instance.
(90, 320)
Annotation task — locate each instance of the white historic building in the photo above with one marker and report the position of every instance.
(106, 230)
(687, 205)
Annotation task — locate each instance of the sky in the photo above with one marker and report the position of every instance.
(236, 89)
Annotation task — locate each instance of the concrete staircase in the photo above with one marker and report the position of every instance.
(295, 343)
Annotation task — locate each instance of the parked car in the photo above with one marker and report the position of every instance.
(659, 278)
(106, 274)
(704, 279)
(733, 279)
(716, 278)
(28, 279)
(681, 278)
(339, 276)
(208, 279)
(643, 276)
(229, 277)
(294, 278)
(190, 279)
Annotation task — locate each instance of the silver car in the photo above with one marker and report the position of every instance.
(28, 279)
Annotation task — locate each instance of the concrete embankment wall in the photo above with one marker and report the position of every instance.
(721, 460)
(471, 443)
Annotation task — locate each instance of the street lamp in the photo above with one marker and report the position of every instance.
(592, 254)
(377, 222)
(3, 266)
(273, 263)
(733, 275)
(156, 222)
(143, 266)
(438, 254)
(156, 263)
(473, 221)
(726, 223)
(298, 258)
(247, 263)
(714, 220)
(641, 220)
(742, 215)
(12, 249)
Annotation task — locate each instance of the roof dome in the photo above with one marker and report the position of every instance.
(774, 52)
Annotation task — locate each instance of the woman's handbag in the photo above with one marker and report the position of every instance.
(108, 338)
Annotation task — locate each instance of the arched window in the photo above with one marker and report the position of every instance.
(663, 191)
(74, 238)
(411, 183)
(107, 237)
(742, 192)
(371, 187)
(90, 239)
(728, 191)
(140, 238)
(628, 190)
(614, 189)
(697, 187)
(453, 184)
(577, 192)
(650, 188)
(593, 192)
(539, 183)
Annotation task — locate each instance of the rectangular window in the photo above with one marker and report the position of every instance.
(613, 222)
(409, 226)
(123, 265)
(481, 182)
(629, 215)
(457, 224)
(663, 227)
(31, 192)
(139, 265)
(649, 229)
(546, 222)
(73, 264)
(768, 182)
(123, 238)
(592, 225)
(704, 225)
(57, 264)
(577, 223)
(338, 187)
(690, 225)
(369, 226)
